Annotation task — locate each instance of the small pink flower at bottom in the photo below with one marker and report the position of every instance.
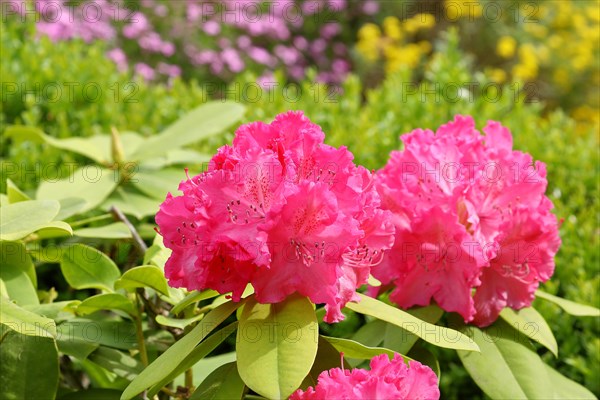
(387, 380)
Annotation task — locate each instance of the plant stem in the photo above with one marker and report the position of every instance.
(189, 379)
(91, 219)
(134, 233)
(140, 333)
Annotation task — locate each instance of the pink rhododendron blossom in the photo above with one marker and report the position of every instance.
(470, 213)
(281, 210)
(387, 379)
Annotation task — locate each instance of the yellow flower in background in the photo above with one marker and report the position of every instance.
(417, 22)
(425, 46)
(506, 47)
(555, 41)
(497, 75)
(562, 77)
(368, 42)
(369, 32)
(392, 28)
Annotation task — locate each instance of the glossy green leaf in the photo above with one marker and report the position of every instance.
(18, 273)
(436, 335)
(204, 121)
(75, 347)
(54, 310)
(23, 218)
(194, 356)
(93, 394)
(131, 203)
(106, 301)
(116, 334)
(327, 358)
(577, 309)
(402, 341)
(55, 229)
(565, 388)
(91, 183)
(15, 194)
(505, 368)
(276, 345)
(531, 323)
(370, 334)
(179, 323)
(224, 383)
(29, 367)
(96, 148)
(192, 298)
(116, 230)
(116, 361)
(85, 267)
(70, 206)
(144, 276)
(356, 350)
(25, 322)
(425, 357)
(171, 358)
(156, 184)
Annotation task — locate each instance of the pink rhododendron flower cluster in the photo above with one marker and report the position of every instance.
(386, 380)
(470, 213)
(281, 210)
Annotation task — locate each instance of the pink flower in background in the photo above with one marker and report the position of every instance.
(470, 213)
(387, 379)
(282, 211)
(145, 71)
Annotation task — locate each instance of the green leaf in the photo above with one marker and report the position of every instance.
(352, 349)
(402, 341)
(224, 383)
(276, 345)
(91, 183)
(425, 357)
(85, 267)
(196, 355)
(116, 230)
(15, 194)
(156, 184)
(70, 206)
(436, 335)
(564, 388)
(106, 301)
(204, 121)
(18, 273)
(117, 362)
(55, 229)
(93, 394)
(531, 323)
(54, 310)
(505, 369)
(96, 148)
(577, 309)
(131, 203)
(176, 322)
(29, 367)
(192, 298)
(370, 333)
(75, 347)
(144, 276)
(23, 218)
(327, 358)
(117, 334)
(25, 322)
(170, 359)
